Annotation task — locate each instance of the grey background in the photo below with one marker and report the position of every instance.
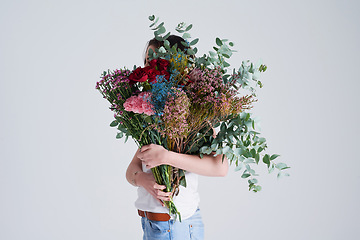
(62, 172)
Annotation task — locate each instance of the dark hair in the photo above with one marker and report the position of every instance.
(173, 39)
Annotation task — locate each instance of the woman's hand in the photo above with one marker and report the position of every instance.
(147, 181)
(153, 155)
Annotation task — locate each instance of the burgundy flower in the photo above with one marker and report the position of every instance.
(162, 64)
(157, 67)
(151, 73)
(138, 75)
(165, 73)
(153, 63)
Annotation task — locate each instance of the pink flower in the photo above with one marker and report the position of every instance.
(139, 104)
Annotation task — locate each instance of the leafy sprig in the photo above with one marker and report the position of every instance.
(241, 144)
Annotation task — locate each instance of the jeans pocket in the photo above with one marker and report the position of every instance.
(196, 231)
(159, 226)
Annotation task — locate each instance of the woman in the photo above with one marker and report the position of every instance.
(156, 222)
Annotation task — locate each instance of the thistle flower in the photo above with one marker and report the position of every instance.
(176, 111)
(206, 86)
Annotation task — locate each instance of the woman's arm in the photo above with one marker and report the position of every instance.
(136, 177)
(154, 155)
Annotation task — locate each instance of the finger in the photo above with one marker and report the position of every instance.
(163, 198)
(145, 148)
(162, 193)
(143, 156)
(159, 187)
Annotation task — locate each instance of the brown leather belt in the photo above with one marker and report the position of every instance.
(154, 216)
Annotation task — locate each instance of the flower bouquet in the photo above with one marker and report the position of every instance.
(179, 99)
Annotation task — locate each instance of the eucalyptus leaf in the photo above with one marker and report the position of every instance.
(162, 50)
(114, 123)
(226, 149)
(161, 30)
(254, 181)
(190, 51)
(282, 174)
(166, 44)
(239, 167)
(193, 42)
(253, 152)
(257, 158)
(249, 160)
(214, 146)
(218, 42)
(266, 159)
(119, 135)
(188, 27)
(257, 188)
(274, 156)
(186, 35)
(238, 151)
(245, 175)
(281, 166)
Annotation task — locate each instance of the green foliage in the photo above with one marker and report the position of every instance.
(114, 123)
(242, 145)
(193, 42)
(248, 75)
(217, 59)
(119, 135)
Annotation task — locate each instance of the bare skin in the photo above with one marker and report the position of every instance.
(147, 52)
(154, 155)
(137, 177)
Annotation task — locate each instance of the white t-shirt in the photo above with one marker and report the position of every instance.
(186, 202)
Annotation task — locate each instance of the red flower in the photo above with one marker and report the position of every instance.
(156, 67)
(138, 75)
(162, 64)
(151, 73)
(159, 64)
(165, 73)
(153, 63)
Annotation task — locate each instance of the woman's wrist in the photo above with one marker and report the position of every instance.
(169, 157)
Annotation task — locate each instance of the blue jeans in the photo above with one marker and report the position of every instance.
(191, 228)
